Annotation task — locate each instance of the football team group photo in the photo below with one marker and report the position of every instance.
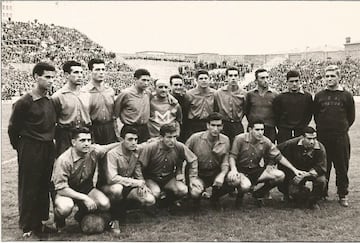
(159, 121)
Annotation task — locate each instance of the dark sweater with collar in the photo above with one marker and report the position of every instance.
(293, 110)
(334, 111)
(33, 118)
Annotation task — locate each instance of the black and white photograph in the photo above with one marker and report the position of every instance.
(180, 121)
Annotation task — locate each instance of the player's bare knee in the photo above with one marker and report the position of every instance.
(64, 206)
(148, 200)
(195, 193)
(278, 176)
(115, 192)
(180, 189)
(103, 203)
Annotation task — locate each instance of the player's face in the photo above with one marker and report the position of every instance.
(257, 131)
(76, 75)
(46, 80)
(309, 140)
(143, 82)
(203, 81)
(232, 77)
(169, 139)
(130, 141)
(82, 142)
(162, 89)
(214, 127)
(332, 79)
(294, 84)
(177, 86)
(98, 72)
(263, 79)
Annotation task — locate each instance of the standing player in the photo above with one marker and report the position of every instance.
(162, 111)
(259, 104)
(132, 105)
(334, 113)
(99, 99)
(290, 121)
(179, 92)
(31, 132)
(70, 109)
(201, 103)
(230, 102)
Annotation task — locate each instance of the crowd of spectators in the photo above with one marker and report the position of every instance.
(32, 42)
(158, 58)
(216, 71)
(312, 75)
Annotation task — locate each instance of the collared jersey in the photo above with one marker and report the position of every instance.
(162, 112)
(99, 101)
(32, 116)
(302, 159)
(200, 104)
(70, 109)
(119, 166)
(133, 108)
(248, 154)
(260, 106)
(211, 158)
(159, 161)
(70, 170)
(230, 105)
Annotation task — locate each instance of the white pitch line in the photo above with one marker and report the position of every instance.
(9, 161)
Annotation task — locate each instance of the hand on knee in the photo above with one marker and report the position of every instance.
(181, 190)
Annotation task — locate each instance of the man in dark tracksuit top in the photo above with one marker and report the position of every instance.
(334, 113)
(292, 109)
(307, 154)
(31, 132)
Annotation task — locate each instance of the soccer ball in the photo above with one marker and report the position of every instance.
(94, 223)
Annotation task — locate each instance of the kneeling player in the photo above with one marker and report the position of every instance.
(73, 175)
(308, 154)
(123, 174)
(245, 157)
(212, 150)
(162, 162)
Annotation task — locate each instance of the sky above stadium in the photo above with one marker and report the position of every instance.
(203, 26)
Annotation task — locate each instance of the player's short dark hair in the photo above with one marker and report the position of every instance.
(230, 69)
(260, 70)
(309, 129)
(77, 130)
(95, 61)
(292, 74)
(68, 64)
(256, 121)
(167, 128)
(201, 71)
(333, 68)
(40, 67)
(128, 129)
(215, 116)
(175, 76)
(140, 72)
